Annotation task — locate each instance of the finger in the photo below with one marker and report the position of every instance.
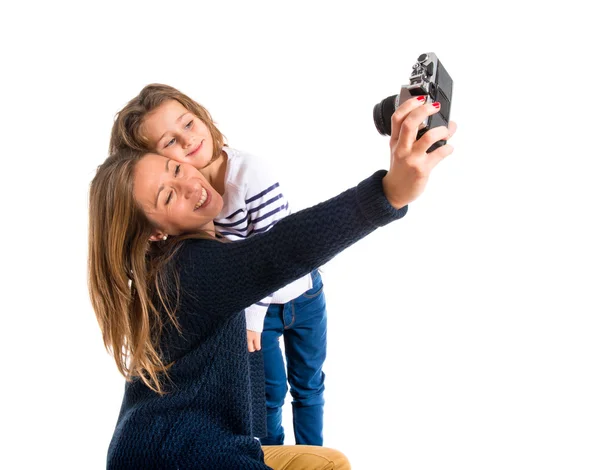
(451, 131)
(431, 137)
(438, 155)
(250, 345)
(257, 344)
(428, 139)
(400, 114)
(451, 128)
(411, 123)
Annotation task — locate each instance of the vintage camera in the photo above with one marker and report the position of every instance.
(429, 78)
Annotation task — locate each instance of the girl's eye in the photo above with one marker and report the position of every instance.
(177, 169)
(169, 143)
(169, 198)
(189, 124)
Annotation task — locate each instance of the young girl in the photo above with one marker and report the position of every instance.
(161, 119)
(169, 297)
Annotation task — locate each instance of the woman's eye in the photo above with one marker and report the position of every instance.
(177, 169)
(189, 124)
(169, 198)
(169, 143)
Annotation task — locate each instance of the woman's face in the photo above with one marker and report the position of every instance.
(176, 133)
(174, 196)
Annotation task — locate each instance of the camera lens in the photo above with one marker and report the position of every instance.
(382, 114)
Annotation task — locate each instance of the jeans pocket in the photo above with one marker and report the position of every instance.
(317, 287)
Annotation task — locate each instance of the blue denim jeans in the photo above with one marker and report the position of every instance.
(303, 324)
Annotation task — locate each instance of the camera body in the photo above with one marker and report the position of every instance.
(428, 78)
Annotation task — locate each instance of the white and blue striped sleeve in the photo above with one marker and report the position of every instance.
(255, 314)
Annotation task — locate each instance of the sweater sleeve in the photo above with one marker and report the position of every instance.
(224, 278)
(265, 204)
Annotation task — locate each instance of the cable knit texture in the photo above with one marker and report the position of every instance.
(214, 406)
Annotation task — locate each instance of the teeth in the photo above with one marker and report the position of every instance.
(202, 199)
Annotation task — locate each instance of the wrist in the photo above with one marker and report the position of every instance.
(389, 189)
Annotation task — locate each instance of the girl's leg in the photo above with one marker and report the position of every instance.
(305, 458)
(275, 377)
(306, 348)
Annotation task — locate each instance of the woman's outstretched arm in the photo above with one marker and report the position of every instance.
(225, 278)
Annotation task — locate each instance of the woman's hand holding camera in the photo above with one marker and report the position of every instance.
(410, 163)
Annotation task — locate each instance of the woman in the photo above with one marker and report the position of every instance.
(169, 297)
(163, 120)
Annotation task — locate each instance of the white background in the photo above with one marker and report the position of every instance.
(465, 336)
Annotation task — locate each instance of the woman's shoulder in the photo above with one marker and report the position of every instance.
(186, 246)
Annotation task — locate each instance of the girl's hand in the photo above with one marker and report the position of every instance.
(253, 340)
(410, 163)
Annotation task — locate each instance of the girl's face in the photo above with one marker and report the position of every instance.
(174, 196)
(176, 133)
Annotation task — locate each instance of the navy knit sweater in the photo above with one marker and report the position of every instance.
(213, 409)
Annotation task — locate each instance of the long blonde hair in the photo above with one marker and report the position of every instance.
(127, 274)
(127, 131)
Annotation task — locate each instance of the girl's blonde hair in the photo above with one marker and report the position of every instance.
(127, 131)
(128, 276)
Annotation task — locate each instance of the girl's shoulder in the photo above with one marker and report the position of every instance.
(244, 166)
(243, 159)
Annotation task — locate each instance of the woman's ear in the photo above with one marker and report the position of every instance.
(158, 236)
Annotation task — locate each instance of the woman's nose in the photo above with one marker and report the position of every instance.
(189, 188)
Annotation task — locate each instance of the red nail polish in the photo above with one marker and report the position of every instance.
(421, 98)
(436, 104)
